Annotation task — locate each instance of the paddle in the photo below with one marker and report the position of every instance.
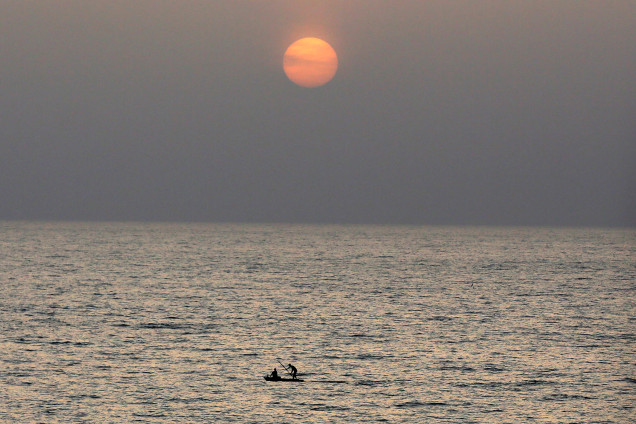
(288, 372)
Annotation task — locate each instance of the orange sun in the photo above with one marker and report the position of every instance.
(310, 62)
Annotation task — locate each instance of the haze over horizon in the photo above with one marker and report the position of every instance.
(488, 113)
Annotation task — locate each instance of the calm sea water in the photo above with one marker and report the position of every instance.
(171, 323)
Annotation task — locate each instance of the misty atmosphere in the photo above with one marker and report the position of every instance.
(498, 113)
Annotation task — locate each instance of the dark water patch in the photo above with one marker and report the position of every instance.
(564, 397)
(487, 384)
(547, 372)
(504, 266)
(534, 382)
(163, 326)
(149, 415)
(323, 407)
(530, 294)
(494, 368)
(612, 337)
(457, 368)
(439, 318)
(84, 396)
(369, 383)
(587, 318)
(629, 380)
(366, 356)
(17, 374)
(415, 404)
(189, 400)
(627, 336)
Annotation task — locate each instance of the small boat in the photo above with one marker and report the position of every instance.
(270, 378)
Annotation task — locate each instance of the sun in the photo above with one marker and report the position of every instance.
(310, 62)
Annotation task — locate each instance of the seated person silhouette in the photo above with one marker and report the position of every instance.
(274, 374)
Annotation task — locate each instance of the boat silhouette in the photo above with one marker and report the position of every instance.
(270, 378)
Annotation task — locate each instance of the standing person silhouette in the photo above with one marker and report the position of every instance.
(294, 371)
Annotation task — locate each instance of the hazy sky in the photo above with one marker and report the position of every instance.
(442, 112)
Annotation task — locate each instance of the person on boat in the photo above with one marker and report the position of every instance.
(274, 374)
(293, 371)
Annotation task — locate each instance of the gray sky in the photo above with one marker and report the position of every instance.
(442, 112)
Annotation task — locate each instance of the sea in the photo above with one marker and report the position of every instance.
(179, 323)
